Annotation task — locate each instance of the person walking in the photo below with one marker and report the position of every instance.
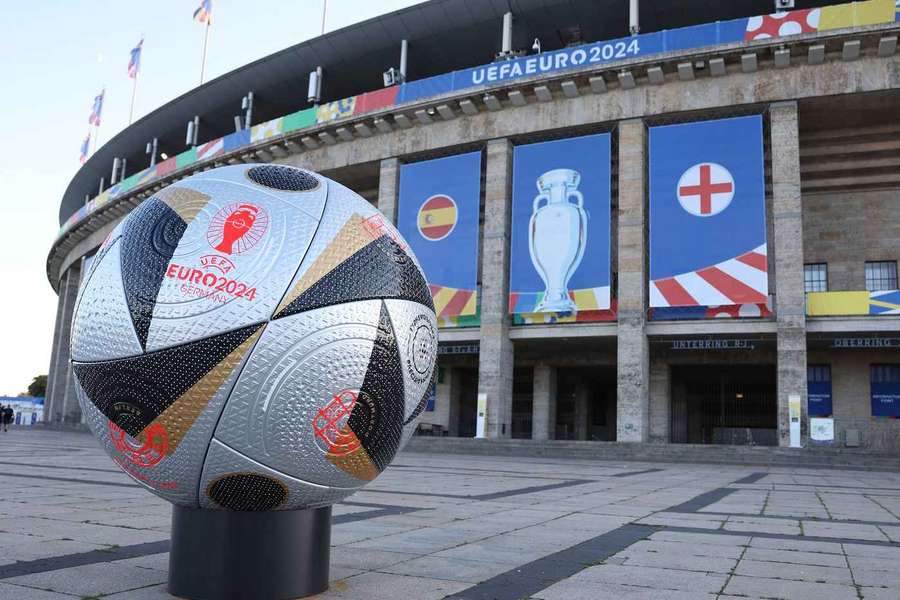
(7, 417)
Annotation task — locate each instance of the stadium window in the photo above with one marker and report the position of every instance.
(815, 277)
(885, 390)
(881, 275)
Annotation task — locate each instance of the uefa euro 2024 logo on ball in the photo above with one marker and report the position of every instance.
(254, 337)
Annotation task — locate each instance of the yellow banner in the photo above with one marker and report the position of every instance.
(855, 14)
(822, 304)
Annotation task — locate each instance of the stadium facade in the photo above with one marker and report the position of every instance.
(686, 234)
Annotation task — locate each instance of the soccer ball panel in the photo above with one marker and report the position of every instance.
(241, 247)
(233, 481)
(162, 444)
(101, 326)
(279, 411)
(416, 329)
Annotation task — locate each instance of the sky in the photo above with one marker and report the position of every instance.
(55, 56)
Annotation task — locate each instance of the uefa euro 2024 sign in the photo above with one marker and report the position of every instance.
(254, 337)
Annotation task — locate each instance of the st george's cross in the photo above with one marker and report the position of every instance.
(706, 189)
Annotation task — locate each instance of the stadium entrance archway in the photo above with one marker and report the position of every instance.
(586, 403)
(724, 404)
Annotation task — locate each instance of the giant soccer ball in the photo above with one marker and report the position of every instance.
(254, 337)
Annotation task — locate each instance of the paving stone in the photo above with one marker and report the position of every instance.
(585, 590)
(366, 559)
(784, 589)
(18, 592)
(686, 562)
(850, 531)
(388, 586)
(798, 544)
(153, 592)
(666, 579)
(762, 525)
(893, 533)
(682, 549)
(879, 578)
(452, 569)
(892, 552)
(755, 568)
(872, 593)
(795, 557)
(702, 538)
(92, 580)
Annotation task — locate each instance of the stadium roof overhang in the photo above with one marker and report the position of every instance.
(444, 35)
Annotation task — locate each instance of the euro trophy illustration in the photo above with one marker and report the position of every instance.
(557, 234)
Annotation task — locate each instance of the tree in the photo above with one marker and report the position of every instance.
(38, 386)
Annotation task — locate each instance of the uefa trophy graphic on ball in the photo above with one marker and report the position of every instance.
(253, 343)
(557, 233)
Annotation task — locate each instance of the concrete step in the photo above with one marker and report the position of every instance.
(811, 456)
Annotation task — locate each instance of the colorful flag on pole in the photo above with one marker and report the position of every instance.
(84, 148)
(203, 14)
(134, 63)
(97, 109)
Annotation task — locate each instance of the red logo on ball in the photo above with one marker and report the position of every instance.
(143, 454)
(237, 228)
(333, 434)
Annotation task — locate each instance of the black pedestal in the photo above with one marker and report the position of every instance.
(232, 555)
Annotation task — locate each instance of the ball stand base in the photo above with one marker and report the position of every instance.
(231, 555)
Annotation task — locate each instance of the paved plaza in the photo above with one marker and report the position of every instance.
(453, 526)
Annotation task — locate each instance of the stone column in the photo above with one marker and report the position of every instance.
(582, 411)
(54, 354)
(495, 361)
(790, 300)
(389, 188)
(543, 409)
(451, 377)
(633, 354)
(660, 401)
(443, 401)
(63, 380)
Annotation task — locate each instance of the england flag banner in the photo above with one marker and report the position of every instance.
(438, 216)
(708, 214)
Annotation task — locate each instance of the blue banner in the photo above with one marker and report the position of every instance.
(235, 140)
(885, 390)
(708, 214)
(438, 216)
(560, 256)
(818, 390)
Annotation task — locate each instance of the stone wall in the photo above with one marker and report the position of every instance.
(845, 230)
(850, 393)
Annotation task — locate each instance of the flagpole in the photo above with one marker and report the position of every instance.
(205, 42)
(133, 94)
(137, 73)
(324, 12)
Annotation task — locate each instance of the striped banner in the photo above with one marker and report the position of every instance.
(740, 280)
(211, 149)
(451, 301)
